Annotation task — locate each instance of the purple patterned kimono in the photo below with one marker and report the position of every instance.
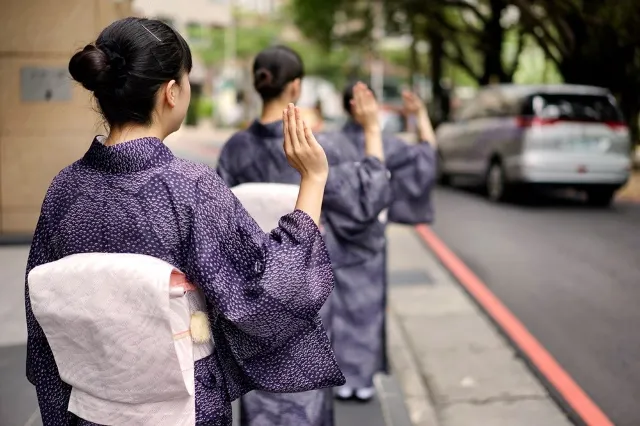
(359, 299)
(263, 291)
(357, 191)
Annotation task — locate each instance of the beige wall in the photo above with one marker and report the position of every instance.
(37, 139)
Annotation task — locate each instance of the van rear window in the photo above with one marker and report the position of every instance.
(572, 107)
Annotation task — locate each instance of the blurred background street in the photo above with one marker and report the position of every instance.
(536, 106)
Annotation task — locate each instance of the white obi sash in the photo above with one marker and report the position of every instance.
(267, 202)
(122, 330)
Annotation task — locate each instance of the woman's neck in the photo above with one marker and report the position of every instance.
(272, 111)
(119, 134)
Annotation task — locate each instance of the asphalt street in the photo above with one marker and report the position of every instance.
(570, 273)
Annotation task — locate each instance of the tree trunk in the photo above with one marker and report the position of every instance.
(413, 61)
(631, 110)
(436, 57)
(492, 46)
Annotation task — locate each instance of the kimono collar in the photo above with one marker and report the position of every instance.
(127, 157)
(275, 129)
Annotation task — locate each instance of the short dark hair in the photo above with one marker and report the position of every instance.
(126, 66)
(347, 95)
(274, 68)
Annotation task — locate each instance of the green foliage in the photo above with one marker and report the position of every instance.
(205, 108)
(332, 65)
(475, 42)
(192, 112)
(315, 19)
(248, 40)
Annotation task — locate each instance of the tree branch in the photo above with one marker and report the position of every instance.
(545, 48)
(533, 21)
(516, 60)
(444, 24)
(459, 58)
(463, 4)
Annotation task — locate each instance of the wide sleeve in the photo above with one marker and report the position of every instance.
(413, 170)
(356, 191)
(42, 372)
(265, 290)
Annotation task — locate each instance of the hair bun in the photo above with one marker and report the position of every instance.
(89, 67)
(262, 78)
(117, 64)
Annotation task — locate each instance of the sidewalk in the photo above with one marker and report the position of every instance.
(13, 263)
(631, 191)
(454, 368)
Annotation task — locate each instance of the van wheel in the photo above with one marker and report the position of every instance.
(600, 197)
(496, 185)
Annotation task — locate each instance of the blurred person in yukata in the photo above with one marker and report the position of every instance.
(359, 302)
(130, 194)
(357, 190)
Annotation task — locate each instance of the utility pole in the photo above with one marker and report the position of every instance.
(377, 65)
(230, 40)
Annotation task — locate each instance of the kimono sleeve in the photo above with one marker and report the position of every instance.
(356, 191)
(42, 372)
(413, 170)
(270, 286)
(264, 292)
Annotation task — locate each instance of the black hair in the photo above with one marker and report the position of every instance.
(347, 95)
(273, 69)
(126, 66)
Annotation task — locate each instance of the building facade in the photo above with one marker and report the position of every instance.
(46, 121)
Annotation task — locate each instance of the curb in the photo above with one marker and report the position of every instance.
(417, 400)
(15, 239)
(394, 411)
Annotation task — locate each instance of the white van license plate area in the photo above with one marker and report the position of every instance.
(585, 144)
(571, 167)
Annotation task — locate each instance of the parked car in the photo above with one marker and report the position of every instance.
(552, 136)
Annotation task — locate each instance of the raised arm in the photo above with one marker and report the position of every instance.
(308, 158)
(266, 289)
(357, 190)
(364, 109)
(413, 168)
(413, 105)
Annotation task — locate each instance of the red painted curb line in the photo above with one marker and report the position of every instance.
(569, 390)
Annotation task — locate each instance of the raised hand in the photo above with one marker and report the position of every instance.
(305, 155)
(364, 107)
(412, 103)
(303, 152)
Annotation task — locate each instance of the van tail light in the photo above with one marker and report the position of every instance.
(526, 122)
(617, 125)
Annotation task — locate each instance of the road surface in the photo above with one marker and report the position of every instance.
(572, 276)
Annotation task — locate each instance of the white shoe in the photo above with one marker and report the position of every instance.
(344, 392)
(365, 394)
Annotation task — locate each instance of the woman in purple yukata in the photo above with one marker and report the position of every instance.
(359, 300)
(130, 194)
(357, 191)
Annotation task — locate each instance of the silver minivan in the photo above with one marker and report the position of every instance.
(550, 135)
